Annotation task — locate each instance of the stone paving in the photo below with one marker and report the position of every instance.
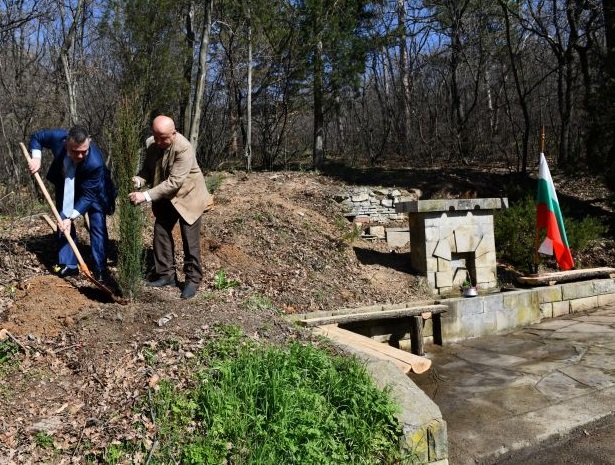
(507, 392)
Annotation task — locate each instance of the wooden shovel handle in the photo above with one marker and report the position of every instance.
(70, 240)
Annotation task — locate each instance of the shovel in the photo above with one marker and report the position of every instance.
(84, 268)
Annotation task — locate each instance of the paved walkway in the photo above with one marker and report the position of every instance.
(507, 392)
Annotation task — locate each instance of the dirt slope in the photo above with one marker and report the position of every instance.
(279, 236)
(85, 362)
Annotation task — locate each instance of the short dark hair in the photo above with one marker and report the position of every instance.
(78, 134)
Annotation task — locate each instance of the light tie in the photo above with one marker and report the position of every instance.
(69, 187)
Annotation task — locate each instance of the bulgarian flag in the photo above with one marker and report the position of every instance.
(549, 216)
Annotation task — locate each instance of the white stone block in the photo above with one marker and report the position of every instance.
(486, 260)
(561, 308)
(444, 279)
(585, 303)
(442, 250)
(465, 239)
(546, 310)
(606, 299)
(378, 231)
(444, 265)
(431, 263)
(486, 245)
(485, 274)
(397, 237)
(432, 233)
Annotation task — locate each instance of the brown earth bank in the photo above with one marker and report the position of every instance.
(279, 237)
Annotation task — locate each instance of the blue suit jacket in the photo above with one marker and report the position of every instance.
(93, 185)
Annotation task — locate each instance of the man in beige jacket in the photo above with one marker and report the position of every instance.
(178, 192)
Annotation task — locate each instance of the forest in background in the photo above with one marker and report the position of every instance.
(287, 83)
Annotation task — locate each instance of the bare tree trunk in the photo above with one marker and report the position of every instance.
(195, 121)
(457, 10)
(608, 7)
(404, 71)
(565, 103)
(319, 129)
(583, 47)
(248, 147)
(188, 65)
(71, 85)
(234, 99)
(609, 32)
(518, 86)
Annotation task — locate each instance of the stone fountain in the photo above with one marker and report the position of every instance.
(452, 240)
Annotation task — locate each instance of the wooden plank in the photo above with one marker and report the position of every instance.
(424, 311)
(406, 361)
(566, 276)
(404, 367)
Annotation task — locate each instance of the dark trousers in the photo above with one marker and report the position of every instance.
(99, 239)
(164, 245)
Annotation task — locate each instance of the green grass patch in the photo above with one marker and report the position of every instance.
(223, 282)
(349, 232)
(8, 351)
(43, 439)
(214, 181)
(257, 302)
(257, 404)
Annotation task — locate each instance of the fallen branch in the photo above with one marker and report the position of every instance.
(5, 334)
(151, 452)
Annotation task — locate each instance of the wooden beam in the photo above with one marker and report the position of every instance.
(416, 335)
(424, 311)
(404, 360)
(566, 276)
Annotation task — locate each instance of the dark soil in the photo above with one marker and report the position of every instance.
(83, 360)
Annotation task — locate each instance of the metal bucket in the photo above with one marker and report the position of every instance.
(470, 292)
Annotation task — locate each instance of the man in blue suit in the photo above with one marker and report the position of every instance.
(82, 185)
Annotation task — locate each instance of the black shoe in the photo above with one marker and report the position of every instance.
(65, 272)
(101, 276)
(162, 281)
(189, 291)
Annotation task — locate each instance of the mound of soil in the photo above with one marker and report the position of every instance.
(274, 244)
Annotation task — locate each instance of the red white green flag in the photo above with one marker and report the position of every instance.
(549, 217)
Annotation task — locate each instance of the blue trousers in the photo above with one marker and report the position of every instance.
(99, 240)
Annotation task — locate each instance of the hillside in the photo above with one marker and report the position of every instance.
(283, 245)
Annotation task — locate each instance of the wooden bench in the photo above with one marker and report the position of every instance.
(415, 314)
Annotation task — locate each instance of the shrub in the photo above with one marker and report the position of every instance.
(515, 231)
(126, 146)
(582, 233)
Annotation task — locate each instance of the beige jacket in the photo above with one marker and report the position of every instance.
(181, 178)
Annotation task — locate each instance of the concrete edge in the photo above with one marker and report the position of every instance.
(558, 420)
(425, 434)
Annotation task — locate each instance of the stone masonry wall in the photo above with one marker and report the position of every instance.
(374, 205)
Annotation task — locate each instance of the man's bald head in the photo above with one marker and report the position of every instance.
(163, 129)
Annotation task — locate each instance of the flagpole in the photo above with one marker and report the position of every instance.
(537, 235)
